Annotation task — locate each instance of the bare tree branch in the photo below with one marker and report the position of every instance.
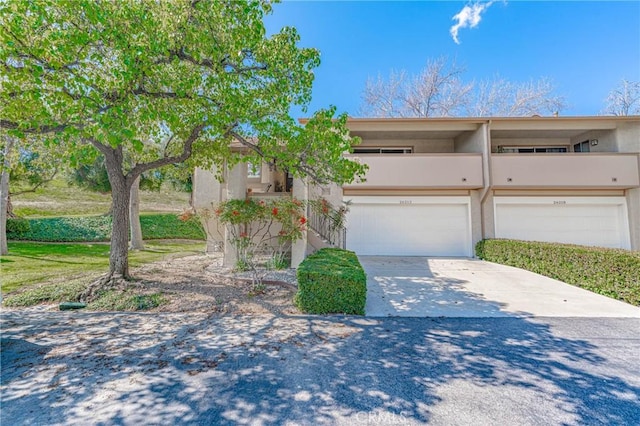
(439, 91)
(624, 99)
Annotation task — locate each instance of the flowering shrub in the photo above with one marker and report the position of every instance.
(251, 224)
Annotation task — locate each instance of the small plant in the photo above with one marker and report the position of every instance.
(278, 261)
(126, 301)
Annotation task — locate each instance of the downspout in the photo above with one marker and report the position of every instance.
(488, 187)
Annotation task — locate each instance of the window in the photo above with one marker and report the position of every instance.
(531, 149)
(581, 147)
(254, 171)
(368, 150)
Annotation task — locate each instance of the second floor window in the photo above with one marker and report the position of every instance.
(368, 150)
(531, 149)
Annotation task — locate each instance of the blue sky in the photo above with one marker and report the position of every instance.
(585, 47)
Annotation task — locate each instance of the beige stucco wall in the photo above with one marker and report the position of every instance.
(471, 142)
(421, 170)
(628, 137)
(206, 188)
(606, 140)
(633, 206)
(330, 192)
(476, 217)
(488, 224)
(566, 170)
(207, 193)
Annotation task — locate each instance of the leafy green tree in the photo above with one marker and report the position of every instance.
(94, 176)
(28, 164)
(156, 83)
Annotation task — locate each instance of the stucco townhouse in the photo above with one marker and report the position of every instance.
(437, 186)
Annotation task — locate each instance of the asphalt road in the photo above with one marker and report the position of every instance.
(131, 369)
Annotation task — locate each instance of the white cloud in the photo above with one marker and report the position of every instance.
(468, 17)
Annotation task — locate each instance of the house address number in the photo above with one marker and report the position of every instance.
(559, 202)
(405, 201)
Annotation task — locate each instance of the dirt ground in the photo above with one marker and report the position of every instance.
(200, 284)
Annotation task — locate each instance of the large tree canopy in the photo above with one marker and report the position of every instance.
(150, 83)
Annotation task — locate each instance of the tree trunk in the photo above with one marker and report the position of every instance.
(120, 187)
(119, 250)
(134, 216)
(4, 195)
(119, 255)
(10, 214)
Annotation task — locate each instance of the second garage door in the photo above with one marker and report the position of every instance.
(591, 221)
(413, 226)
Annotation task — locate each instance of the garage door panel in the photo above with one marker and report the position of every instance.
(583, 221)
(408, 229)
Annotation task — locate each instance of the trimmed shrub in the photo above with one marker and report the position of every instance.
(69, 229)
(331, 281)
(17, 227)
(98, 228)
(610, 272)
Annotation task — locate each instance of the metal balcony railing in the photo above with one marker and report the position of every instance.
(327, 222)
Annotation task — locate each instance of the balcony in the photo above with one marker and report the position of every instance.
(565, 170)
(421, 171)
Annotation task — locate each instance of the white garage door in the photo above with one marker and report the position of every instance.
(592, 221)
(410, 226)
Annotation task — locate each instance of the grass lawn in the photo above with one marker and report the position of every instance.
(34, 263)
(58, 198)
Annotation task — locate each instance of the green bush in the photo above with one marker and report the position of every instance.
(69, 229)
(610, 272)
(17, 227)
(98, 228)
(171, 226)
(331, 281)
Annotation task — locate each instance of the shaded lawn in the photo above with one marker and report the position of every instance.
(31, 263)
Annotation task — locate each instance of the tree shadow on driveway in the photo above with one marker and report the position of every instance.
(193, 369)
(407, 287)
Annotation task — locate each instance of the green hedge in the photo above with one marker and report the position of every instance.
(98, 228)
(331, 281)
(17, 226)
(610, 272)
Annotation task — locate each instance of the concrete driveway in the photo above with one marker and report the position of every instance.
(456, 287)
